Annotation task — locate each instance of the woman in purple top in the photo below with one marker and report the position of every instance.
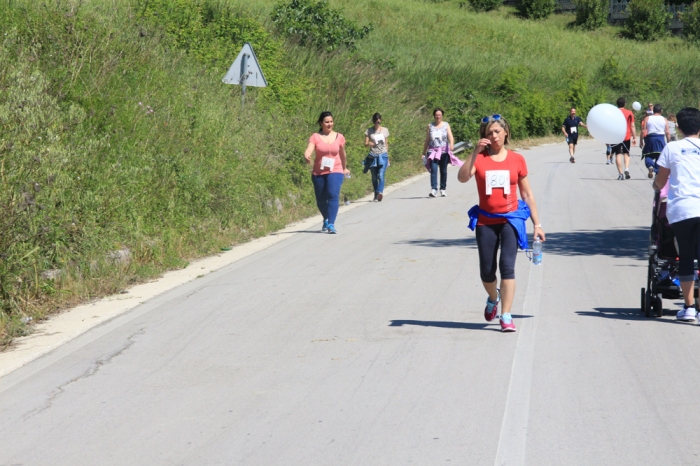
(438, 147)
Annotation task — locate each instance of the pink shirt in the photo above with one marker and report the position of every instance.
(328, 153)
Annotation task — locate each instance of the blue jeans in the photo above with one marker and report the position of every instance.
(442, 164)
(378, 169)
(651, 163)
(327, 190)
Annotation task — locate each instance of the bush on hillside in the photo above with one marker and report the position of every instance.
(213, 32)
(485, 5)
(317, 24)
(465, 117)
(691, 24)
(536, 9)
(530, 111)
(647, 20)
(591, 14)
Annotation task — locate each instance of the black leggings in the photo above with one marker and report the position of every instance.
(688, 236)
(488, 238)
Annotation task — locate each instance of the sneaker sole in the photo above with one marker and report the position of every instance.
(495, 312)
(627, 176)
(508, 330)
(686, 319)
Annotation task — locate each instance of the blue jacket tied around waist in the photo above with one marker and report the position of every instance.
(517, 218)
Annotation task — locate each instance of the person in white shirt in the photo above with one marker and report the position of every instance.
(672, 126)
(679, 165)
(655, 133)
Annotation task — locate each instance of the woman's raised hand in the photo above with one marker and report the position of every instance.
(482, 144)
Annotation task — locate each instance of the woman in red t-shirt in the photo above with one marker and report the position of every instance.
(499, 172)
(329, 169)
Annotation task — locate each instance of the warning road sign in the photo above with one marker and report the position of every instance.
(246, 70)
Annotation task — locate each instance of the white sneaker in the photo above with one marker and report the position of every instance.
(433, 193)
(687, 314)
(443, 193)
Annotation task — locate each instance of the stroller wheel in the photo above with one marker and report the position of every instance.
(658, 305)
(646, 303)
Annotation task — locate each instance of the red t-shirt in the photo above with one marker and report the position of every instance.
(497, 184)
(629, 118)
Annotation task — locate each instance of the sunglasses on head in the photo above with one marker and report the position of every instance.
(495, 117)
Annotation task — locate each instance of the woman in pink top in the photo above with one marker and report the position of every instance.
(330, 168)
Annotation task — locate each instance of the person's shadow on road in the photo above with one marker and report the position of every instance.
(455, 325)
(626, 313)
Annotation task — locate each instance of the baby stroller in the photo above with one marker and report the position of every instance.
(662, 274)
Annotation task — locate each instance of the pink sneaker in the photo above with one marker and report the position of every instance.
(507, 324)
(491, 310)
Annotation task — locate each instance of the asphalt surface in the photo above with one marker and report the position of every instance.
(370, 348)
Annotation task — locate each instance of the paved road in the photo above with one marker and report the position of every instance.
(369, 348)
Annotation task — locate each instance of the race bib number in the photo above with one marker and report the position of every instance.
(327, 162)
(573, 130)
(497, 179)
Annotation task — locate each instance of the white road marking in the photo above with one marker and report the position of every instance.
(513, 439)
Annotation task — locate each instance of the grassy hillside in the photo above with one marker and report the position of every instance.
(123, 155)
(484, 63)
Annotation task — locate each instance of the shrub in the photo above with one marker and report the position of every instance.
(691, 24)
(591, 14)
(536, 9)
(317, 24)
(485, 5)
(213, 32)
(647, 20)
(465, 117)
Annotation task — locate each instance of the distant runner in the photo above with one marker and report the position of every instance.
(608, 154)
(656, 134)
(570, 130)
(622, 151)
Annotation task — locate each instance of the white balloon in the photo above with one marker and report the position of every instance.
(607, 124)
(637, 106)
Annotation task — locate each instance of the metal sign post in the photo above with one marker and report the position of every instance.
(244, 76)
(245, 71)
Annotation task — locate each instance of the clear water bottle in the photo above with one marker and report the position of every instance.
(537, 251)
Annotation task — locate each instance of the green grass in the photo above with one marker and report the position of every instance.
(117, 133)
(443, 51)
(113, 136)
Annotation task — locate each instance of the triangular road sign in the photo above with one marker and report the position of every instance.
(247, 67)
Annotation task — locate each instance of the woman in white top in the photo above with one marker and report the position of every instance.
(679, 164)
(672, 126)
(655, 134)
(438, 147)
(378, 159)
